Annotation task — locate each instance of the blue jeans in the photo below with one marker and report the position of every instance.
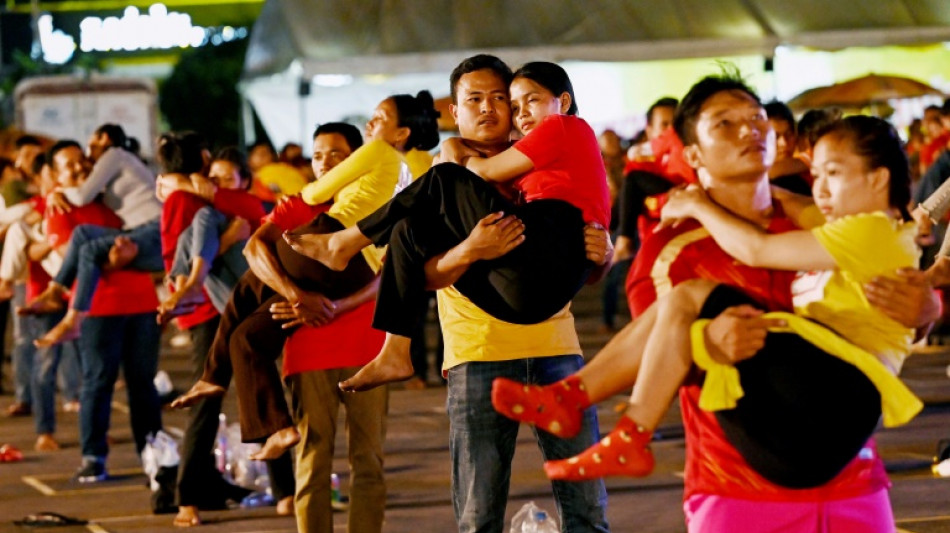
(202, 238)
(89, 248)
(482, 444)
(108, 342)
(25, 331)
(47, 361)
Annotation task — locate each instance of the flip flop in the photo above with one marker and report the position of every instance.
(48, 519)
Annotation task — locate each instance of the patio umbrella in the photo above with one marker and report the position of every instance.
(862, 92)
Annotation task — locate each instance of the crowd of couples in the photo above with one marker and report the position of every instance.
(781, 319)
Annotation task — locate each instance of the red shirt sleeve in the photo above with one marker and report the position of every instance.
(238, 203)
(293, 212)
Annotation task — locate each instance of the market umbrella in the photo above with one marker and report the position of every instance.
(861, 92)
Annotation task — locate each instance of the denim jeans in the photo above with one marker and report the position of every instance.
(26, 329)
(202, 238)
(108, 342)
(89, 248)
(482, 444)
(63, 357)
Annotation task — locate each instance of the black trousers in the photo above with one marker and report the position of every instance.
(805, 414)
(438, 211)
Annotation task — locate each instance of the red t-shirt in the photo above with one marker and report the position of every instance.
(567, 166)
(930, 151)
(119, 292)
(349, 340)
(37, 277)
(713, 466)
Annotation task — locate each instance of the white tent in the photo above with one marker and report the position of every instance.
(315, 60)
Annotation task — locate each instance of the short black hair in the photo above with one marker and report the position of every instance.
(814, 121)
(478, 62)
(776, 110)
(59, 146)
(687, 112)
(350, 133)
(666, 101)
(27, 140)
(180, 153)
(552, 77)
(38, 163)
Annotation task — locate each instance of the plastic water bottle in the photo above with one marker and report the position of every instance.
(221, 445)
(532, 519)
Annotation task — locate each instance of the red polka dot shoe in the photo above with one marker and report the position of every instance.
(557, 408)
(624, 452)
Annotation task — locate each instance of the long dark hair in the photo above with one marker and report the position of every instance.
(116, 135)
(419, 115)
(877, 142)
(550, 76)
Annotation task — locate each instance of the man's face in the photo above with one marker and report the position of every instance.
(482, 110)
(785, 139)
(734, 138)
(933, 124)
(329, 149)
(661, 119)
(25, 156)
(260, 155)
(70, 166)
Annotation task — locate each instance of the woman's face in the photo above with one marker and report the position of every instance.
(530, 103)
(225, 175)
(844, 185)
(384, 125)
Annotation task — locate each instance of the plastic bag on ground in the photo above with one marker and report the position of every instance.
(533, 519)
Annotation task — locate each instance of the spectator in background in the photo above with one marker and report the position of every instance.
(273, 178)
(611, 150)
(811, 123)
(788, 171)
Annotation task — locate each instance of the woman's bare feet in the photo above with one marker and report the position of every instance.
(277, 444)
(198, 391)
(393, 363)
(285, 507)
(46, 443)
(187, 517)
(68, 329)
(332, 249)
(51, 300)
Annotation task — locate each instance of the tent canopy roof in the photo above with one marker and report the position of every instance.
(404, 36)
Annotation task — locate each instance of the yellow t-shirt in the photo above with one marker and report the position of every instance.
(281, 178)
(863, 246)
(472, 335)
(419, 162)
(359, 185)
(832, 313)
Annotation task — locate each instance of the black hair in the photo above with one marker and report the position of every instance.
(419, 115)
(776, 110)
(27, 140)
(59, 146)
(945, 108)
(5, 163)
(38, 163)
(814, 121)
(666, 101)
(877, 142)
(116, 135)
(687, 112)
(236, 157)
(479, 62)
(349, 132)
(550, 76)
(180, 153)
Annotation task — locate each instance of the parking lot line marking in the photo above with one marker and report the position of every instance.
(39, 482)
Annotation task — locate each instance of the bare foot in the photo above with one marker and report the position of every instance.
(122, 253)
(68, 329)
(317, 246)
(46, 443)
(51, 300)
(285, 506)
(393, 363)
(187, 517)
(180, 302)
(277, 444)
(198, 391)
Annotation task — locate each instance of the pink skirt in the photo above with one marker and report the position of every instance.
(718, 514)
